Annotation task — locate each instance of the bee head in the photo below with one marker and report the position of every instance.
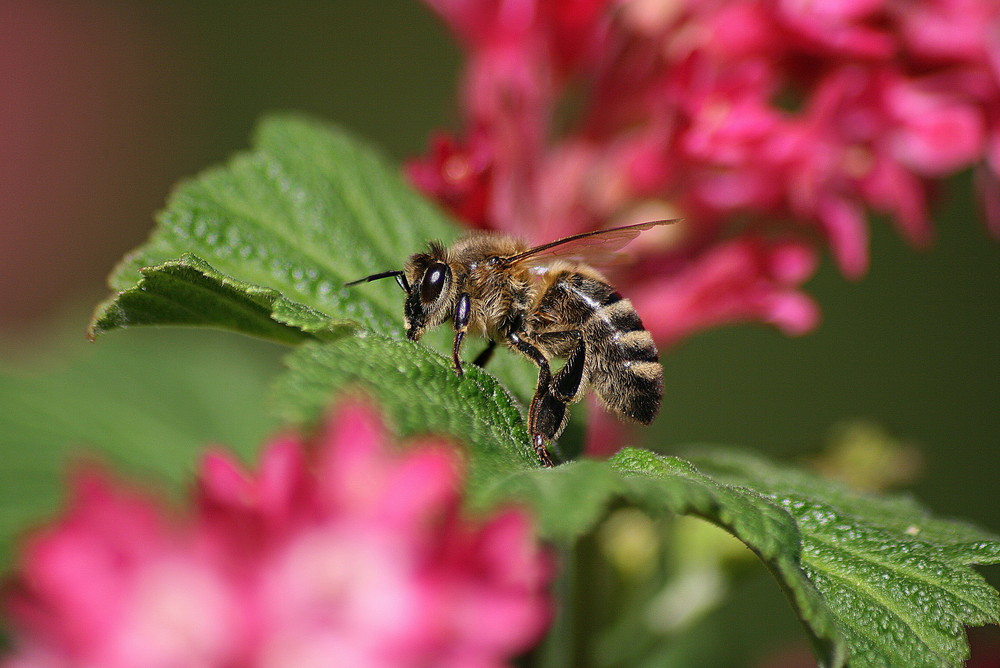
(431, 291)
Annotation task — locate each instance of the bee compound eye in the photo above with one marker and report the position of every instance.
(433, 282)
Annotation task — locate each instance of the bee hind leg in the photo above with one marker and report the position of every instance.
(542, 421)
(566, 384)
(483, 358)
(547, 415)
(549, 409)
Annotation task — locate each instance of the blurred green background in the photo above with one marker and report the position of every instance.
(107, 104)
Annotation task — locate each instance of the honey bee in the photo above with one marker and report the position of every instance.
(546, 301)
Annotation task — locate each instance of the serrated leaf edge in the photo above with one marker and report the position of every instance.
(269, 298)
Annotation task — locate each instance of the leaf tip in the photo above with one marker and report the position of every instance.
(104, 317)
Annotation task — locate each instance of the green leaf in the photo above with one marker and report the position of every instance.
(570, 500)
(189, 291)
(897, 579)
(147, 404)
(281, 227)
(877, 578)
(420, 394)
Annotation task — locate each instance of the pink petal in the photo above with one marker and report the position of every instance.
(421, 483)
(890, 187)
(222, 481)
(350, 461)
(365, 559)
(283, 487)
(740, 281)
(939, 137)
(793, 313)
(847, 232)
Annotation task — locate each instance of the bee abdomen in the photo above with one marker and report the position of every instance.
(626, 372)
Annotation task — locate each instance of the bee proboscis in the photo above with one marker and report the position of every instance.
(544, 301)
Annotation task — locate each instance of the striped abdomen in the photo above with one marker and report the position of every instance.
(622, 363)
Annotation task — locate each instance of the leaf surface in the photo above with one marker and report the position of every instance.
(420, 393)
(285, 225)
(896, 578)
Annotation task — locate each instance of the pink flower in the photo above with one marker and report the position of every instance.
(335, 552)
(746, 279)
(768, 126)
(458, 175)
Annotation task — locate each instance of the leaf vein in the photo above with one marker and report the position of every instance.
(958, 593)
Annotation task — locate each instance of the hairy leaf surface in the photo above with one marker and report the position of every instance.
(307, 210)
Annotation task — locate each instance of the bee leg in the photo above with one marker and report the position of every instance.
(483, 358)
(566, 384)
(551, 414)
(541, 417)
(546, 420)
(455, 348)
(462, 314)
(538, 441)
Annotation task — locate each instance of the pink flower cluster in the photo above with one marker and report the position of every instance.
(345, 556)
(769, 125)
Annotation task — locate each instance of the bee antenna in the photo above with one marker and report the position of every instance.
(398, 275)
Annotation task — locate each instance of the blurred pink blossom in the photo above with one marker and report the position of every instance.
(772, 126)
(336, 552)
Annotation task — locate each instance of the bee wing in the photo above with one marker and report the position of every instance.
(599, 247)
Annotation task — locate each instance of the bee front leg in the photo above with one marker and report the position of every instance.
(463, 312)
(540, 413)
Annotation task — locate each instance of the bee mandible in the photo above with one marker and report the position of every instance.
(544, 301)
